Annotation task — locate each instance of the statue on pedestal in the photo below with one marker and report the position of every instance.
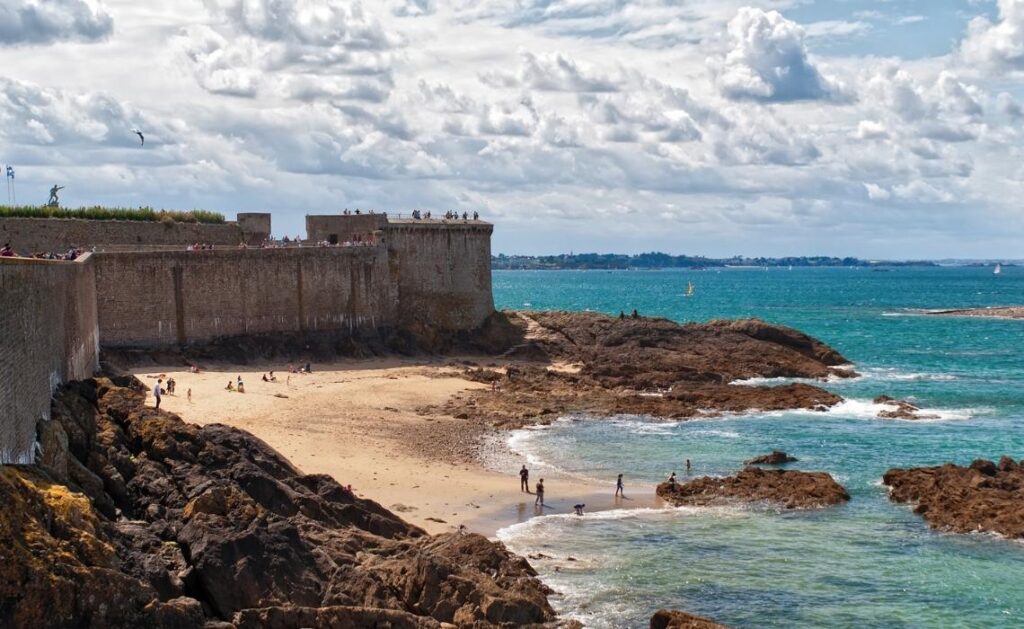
(54, 201)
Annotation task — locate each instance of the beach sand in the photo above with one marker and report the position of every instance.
(361, 422)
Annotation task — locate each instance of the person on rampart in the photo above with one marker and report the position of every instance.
(7, 252)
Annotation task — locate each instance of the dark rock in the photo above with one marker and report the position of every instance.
(789, 489)
(666, 619)
(210, 525)
(777, 457)
(981, 497)
(902, 409)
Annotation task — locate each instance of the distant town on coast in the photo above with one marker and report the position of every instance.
(657, 260)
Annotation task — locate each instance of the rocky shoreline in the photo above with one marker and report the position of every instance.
(601, 365)
(982, 497)
(135, 518)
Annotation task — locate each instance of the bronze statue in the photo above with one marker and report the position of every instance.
(54, 201)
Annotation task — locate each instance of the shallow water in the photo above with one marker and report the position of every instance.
(870, 563)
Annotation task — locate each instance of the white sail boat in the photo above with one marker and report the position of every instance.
(998, 269)
(689, 289)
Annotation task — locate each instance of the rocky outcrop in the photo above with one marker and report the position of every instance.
(900, 409)
(984, 496)
(671, 619)
(166, 524)
(789, 489)
(587, 362)
(1003, 312)
(777, 457)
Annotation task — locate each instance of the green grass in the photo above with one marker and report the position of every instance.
(97, 213)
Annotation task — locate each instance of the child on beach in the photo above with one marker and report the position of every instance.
(618, 487)
(540, 493)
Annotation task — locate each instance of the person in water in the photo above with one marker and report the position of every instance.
(579, 508)
(524, 480)
(618, 487)
(687, 466)
(540, 493)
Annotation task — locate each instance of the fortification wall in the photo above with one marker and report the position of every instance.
(166, 298)
(443, 272)
(338, 228)
(31, 235)
(49, 336)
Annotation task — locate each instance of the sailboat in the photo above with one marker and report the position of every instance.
(689, 289)
(998, 269)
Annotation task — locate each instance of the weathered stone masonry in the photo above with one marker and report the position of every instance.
(54, 315)
(49, 335)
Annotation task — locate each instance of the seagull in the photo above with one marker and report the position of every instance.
(141, 137)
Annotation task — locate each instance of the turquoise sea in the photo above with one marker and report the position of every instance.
(870, 563)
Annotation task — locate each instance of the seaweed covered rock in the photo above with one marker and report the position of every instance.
(790, 489)
(984, 496)
(175, 525)
(593, 363)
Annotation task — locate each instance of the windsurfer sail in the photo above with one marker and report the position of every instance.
(689, 289)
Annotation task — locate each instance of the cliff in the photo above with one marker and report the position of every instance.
(135, 518)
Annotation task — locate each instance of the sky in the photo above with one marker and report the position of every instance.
(874, 128)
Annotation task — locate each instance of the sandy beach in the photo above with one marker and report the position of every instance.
(363, 422)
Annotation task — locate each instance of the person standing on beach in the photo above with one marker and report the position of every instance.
(540, 493)
(524, 480)
(618, 487)
(157, 392)
(687, 466)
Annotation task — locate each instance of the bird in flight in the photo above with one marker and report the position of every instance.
(141, 137)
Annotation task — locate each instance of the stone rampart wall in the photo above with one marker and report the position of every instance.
(31, 235)
(168, 298)
(48, 335)
(443, 272)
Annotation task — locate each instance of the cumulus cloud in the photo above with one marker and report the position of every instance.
(999, 44)
(552, 72)
(37, 116)
(323, 23)
(47, 21)
(769, 62)
(301, 49)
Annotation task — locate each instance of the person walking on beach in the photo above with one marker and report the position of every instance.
(524, 480)
(540, 493)
(189, 394)
(618, 487)
(157, 392)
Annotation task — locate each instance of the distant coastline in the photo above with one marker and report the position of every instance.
(655, 260)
